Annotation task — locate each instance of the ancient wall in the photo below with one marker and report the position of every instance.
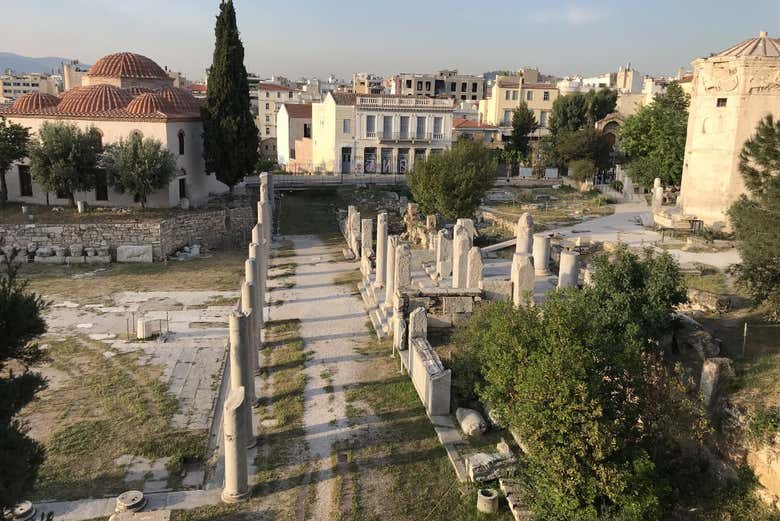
(210, 228)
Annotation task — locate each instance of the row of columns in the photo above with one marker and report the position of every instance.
(246, 323)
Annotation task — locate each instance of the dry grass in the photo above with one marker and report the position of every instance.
(11, 213)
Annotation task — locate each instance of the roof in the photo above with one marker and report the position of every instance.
(33, 101)
(686, 79)
(298, 110)
(127, 65)
(273, 86)
(344, 98)
(539, 86)
(198, 87)
(462, 124)
(761, 47)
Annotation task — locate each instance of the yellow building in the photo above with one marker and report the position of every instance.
(354, 133)
(508, 92)
(731, 92)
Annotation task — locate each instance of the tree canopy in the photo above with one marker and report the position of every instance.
(13, 147)
(453, 182)
(568, 146)
(523, 124)
(21, 322)
(139, 166)
(64, 158)
(576, 111)
(653, 139)
(579, 378)
(755, 216)
(230, 139)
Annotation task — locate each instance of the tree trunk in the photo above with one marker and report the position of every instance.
(3, 189)
(72, 199)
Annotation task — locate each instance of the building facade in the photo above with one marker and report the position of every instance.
(731, 92)
(506, 94)
(149, 106)
(354, 133)
(14, 85)
(363, 83)
(293, 122)
(444, 83)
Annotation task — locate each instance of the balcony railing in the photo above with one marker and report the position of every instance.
(403, 137)
(402, 102)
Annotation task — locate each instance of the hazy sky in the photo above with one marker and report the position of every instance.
(317, 37)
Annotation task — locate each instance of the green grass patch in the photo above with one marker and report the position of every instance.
(712, 282)
(764, 425)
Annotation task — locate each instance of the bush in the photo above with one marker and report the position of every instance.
(582, 170)
(617, 185)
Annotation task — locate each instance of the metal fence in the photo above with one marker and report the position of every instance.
(287, 181)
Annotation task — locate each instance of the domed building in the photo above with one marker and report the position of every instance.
(731, 92)
(122, 94)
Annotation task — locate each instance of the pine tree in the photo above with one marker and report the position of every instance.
(229, 132)
(755, 217)
(523, 124)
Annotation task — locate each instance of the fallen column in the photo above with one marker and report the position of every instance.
(381, 249)
(541, 254)
(524, 234)
(461, 243)
(475, 268)
(568, 274)
(240, 370)
(236, 487)
(522, 277)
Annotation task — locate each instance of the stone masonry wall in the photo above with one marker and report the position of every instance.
(211, 228)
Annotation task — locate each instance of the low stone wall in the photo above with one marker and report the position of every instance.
(210, 228)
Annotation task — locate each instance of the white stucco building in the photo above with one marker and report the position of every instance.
(122, 94)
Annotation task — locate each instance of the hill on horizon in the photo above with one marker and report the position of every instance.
(21, 64)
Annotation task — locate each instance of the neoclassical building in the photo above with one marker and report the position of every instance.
(122, 94)
(731, 92)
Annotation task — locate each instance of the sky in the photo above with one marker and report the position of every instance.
(317, 37)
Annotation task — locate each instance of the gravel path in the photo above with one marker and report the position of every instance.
(333, 324)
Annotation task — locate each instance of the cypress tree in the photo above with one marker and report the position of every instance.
(229, 131)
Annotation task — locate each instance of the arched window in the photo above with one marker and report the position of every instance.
(181, 142)
(137, 133)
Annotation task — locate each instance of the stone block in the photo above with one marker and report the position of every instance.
(457, 305)
(98, 259)
(50, 260)
(487, 467)
(497, 290)
(134, 253)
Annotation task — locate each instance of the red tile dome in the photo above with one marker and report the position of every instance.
(181, 100)
(34, 101)
(93, 99)
(127, 65)
(149, 103)
(135, 91)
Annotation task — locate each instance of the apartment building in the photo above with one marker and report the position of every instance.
(506, 94)
(13, 85)
(363, 83)
(270, 98)
(444, 83)
(357, 133)
(293, 123)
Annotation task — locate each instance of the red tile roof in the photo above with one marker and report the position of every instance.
(33, 101)
(127, 65)
(273, 86)
(298, 110)
(149, 103)
(94, 99)
(462, 123)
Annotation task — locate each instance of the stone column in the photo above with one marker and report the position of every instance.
(469, 225)
(568, 274)
(524, 233)
(257, 231)
(236, 473)
(265, 224)
(418, 328)
(366, 237)
(461, 243)
(443, 255)
(658, 193)
(256, 253)
(249, 308)
(392, 244)
(475, 268)
(403, 267)
(354, 233)
(348, 224)
(542, 254)
(240, 371)
(381, 250)
(522, 277)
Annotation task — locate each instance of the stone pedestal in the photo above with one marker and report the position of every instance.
(475, 268)
(392, 244)
(261, 264)
(524, 233)
(542, 254)
(233, 427)
(403, 267)
(249, 308)
(241, 375)
(461, 243)
(522, 276)
(381, 250)
(443, 255)
(568, 274)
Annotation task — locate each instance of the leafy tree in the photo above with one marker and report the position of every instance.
(21, 322)
(229, 132)
(453, 182)
(64, 158)
(600, 103)
(13, 147)
(577, 110)
(755, 216)
(653, 139)
(523, 124)
(579, 378)
(582, 170)
(139, 166)
(587, 143)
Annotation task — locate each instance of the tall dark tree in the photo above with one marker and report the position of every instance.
(523, 124)
(577, 111)
(21, 322)
(229, 131)
(600, 103)
(755, 216)
(13, 147)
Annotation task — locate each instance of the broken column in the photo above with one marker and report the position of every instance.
(240, 371)
(568, 274)
(261, 267)
(403, 267)
(264, 224)
(418, 328)
(524, 232)
(522, 277)
(541, 249)
(658, 193)
(392, 244)
(365, 248)
(249, 308)
(381, 249)
(354, 233)
(399, 328)
(443, 255)
(469, 225)
(475, 268)
(236, 473)
(461, 243)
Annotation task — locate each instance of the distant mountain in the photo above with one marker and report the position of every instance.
(21, 64)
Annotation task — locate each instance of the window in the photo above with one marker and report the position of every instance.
(508, 95)
(306, 130)
(267, 118)
(267, 94)
(25, 181)
(546, 95)
(721, 102)
(345, 126)
(278, 94)
(507, 117)
(452, 87)
(427, 85)
(514, 95)
(543, 119)
(420, 127)
(181, 142)
(473, 96)
(370, 126)
(267, 130)
(292, 153)
(474, 87)
(437, 122)
(419, 85)
(101, 187)
(387, 126)
(463, 97)
(267, 106)
(529, 95)
(404, 130)
(463, 86)
(408, 84)
(183, 188)
(291, 94)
